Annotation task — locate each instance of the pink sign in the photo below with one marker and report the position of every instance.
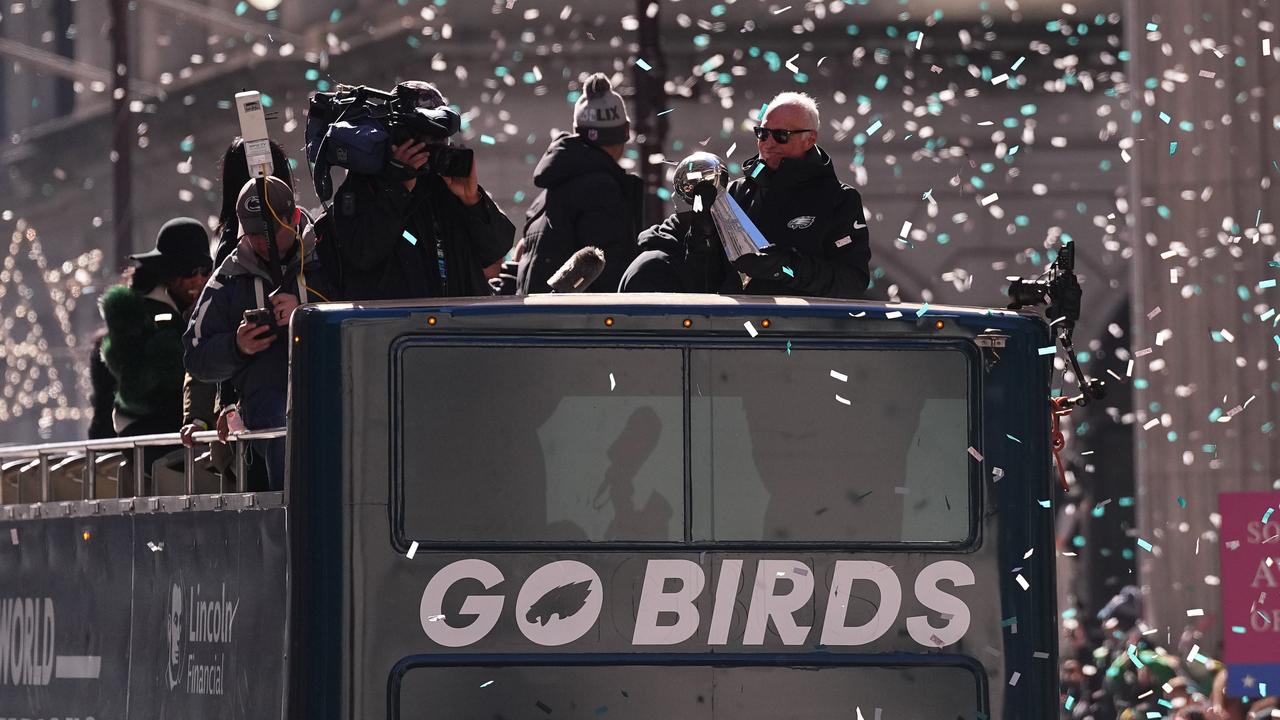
(1250, 576)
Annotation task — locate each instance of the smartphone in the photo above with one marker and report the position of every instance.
(449, 161)
(258, 316)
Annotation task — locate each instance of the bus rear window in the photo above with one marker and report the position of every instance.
(640, 692)
(830, 445)
(541, 444)
(534, 443)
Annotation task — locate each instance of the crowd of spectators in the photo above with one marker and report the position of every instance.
(1116, 668)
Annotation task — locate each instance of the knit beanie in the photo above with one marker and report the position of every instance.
(600, 115)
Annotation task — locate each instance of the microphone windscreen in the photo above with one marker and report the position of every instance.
(579, 271)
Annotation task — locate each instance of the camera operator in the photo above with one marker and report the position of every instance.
(237, 332)
(413, 231)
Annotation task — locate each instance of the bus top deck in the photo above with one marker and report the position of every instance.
(585, 506)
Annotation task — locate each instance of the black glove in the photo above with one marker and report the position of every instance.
(707, 191)
(771, 263)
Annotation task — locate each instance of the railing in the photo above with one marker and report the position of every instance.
(125, 455)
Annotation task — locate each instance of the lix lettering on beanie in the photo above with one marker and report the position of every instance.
(600, 115)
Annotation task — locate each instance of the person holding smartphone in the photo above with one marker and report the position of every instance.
(422, 228)
(239, 329)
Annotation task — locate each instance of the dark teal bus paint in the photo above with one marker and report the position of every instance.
(357, 644)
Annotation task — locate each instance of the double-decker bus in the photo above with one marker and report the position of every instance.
(583, 506)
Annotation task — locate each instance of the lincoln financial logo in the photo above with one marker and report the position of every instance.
(198, 631)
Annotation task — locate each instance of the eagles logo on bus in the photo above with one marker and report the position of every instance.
(561, 601)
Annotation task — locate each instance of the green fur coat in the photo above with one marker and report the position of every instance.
(143, 350)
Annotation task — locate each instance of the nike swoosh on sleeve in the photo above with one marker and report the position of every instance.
(857, 226)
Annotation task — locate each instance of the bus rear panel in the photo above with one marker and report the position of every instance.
(691, 507)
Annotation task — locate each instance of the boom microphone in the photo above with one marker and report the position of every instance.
(579, 271)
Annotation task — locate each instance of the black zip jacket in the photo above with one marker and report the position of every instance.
(681, 254)
(801, 206)
(394, 243)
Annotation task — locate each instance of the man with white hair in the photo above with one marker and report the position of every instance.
(815, 224)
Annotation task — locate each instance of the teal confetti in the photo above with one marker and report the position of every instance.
(1267, 515)
(923, 309)
(1173, 148)
(1182, 502)
(874, 127)
(788, 271)
(1045, 503)
(758, 168)
(1019, 63)
(640, 63)
(1133, 655)
(241, 8)
(408, 236)
(335, 16)
(1048, 350)
(1152, 27)
(488, 140)
(1238, 629)
(788, 347)
(1164, 117)
(1145, 546)
(1013, 438)
(1267, 284)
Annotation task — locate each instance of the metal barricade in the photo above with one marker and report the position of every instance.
(48, 472)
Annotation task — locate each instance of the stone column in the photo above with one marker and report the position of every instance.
(1205, 375)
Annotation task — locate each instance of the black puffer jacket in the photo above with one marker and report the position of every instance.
(587, 199)
(803, 206)
(682, 254)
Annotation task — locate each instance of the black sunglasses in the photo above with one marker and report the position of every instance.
(779, 136)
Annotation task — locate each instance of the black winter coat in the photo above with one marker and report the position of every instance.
(801, 206)
(682, 254)
(587, 199)
(394, 243)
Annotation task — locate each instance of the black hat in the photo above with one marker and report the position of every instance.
(182, 245)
